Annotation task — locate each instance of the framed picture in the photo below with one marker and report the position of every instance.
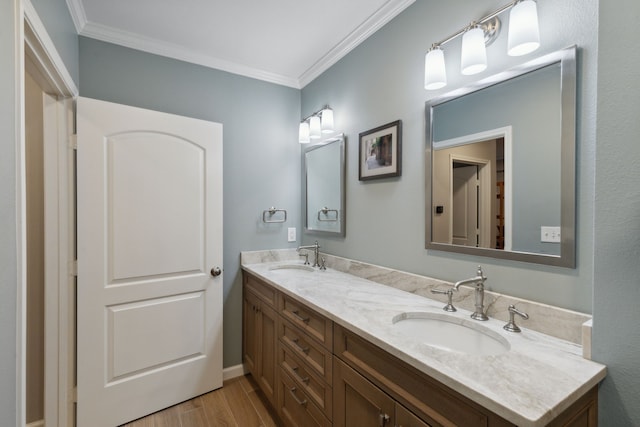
(381, 152)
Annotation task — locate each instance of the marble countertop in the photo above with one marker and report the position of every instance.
(529, 385)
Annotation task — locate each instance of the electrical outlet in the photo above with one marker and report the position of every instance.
(550, 234)
(291, 234)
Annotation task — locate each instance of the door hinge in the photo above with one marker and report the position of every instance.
(73, 141)
(73, 268)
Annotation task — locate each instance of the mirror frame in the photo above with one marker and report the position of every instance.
(567, 59)
(342, 215)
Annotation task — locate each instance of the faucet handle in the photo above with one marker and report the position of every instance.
(481, 274)
(323, 264)
(306, 257)
(511, 326)
(449, 293)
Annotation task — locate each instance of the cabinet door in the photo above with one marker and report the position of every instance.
(404, 418)
(357, 402)
(250, 336)
(267, 329)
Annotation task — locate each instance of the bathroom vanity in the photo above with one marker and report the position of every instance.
(323, 347)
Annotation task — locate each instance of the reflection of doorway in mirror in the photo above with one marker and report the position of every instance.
(490, 153)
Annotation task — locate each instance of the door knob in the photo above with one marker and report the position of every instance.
(215, 271)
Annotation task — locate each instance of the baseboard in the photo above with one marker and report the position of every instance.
(231, 372)
(36, 424)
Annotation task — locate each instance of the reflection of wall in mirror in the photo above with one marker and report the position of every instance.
(323, 185)
(531, 105)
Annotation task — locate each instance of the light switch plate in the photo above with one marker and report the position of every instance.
(291, 234)
(550, 234)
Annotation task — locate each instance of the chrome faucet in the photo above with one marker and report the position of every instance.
(478, 283)
(316, 252)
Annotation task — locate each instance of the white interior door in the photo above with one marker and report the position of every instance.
(149, 235)
(465, 206)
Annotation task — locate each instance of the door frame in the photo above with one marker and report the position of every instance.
(484, 199)
(45, 64)
(505, 132)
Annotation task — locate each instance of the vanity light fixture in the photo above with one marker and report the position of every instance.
(313, 126)
(523, 38)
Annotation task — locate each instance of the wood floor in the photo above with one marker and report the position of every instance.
(238, 403)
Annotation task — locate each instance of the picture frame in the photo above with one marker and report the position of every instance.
(381, 152)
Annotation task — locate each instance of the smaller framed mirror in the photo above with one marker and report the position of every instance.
(324, 184)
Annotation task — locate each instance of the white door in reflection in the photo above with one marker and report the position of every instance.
(465, 192)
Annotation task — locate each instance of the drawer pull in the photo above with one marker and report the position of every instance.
(298, 401)
(304, 380)
(296, 313)
(305, 350)
(384, 419)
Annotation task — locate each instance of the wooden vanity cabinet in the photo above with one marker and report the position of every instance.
(421, 399)
(317, 373)
(359, 402)
(287, 347)
(259, 336)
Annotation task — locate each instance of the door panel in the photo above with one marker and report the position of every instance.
(152, 175)
(132, 328)
(149, 231)
(465, 206)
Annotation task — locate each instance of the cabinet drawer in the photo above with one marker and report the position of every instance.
(315, 356)
(265, 292)
(296, 408)
(313, 385)
(431, 401)
(313, 323)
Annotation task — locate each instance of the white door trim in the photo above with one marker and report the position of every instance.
(506, 133)
(46, 65)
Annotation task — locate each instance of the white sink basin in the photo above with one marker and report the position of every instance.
(451, 333)
(300, 267)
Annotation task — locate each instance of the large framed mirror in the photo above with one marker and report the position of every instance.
(501, 160)
(324, 165)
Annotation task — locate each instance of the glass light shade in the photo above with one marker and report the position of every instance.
(474, 52)
(327, 120)
(314, 127)
(524, 34)
(435, 74)
(303, 133)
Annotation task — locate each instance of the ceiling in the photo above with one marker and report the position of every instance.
(287, 42)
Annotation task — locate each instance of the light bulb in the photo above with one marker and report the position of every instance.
(474, 52)
(435, 74)
(314, 127)
(303, 133)
(524, 35)
(327, 120)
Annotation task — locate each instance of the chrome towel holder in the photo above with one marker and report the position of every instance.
(269, 213)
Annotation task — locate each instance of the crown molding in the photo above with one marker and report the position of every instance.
(78, 16)
(157, 47)
(146, 44)
(376, 21)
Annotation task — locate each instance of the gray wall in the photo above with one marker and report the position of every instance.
(616, 335)
(8, 228)
(525, 103)
(59, 25)
(382, 80)
(261, 152)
